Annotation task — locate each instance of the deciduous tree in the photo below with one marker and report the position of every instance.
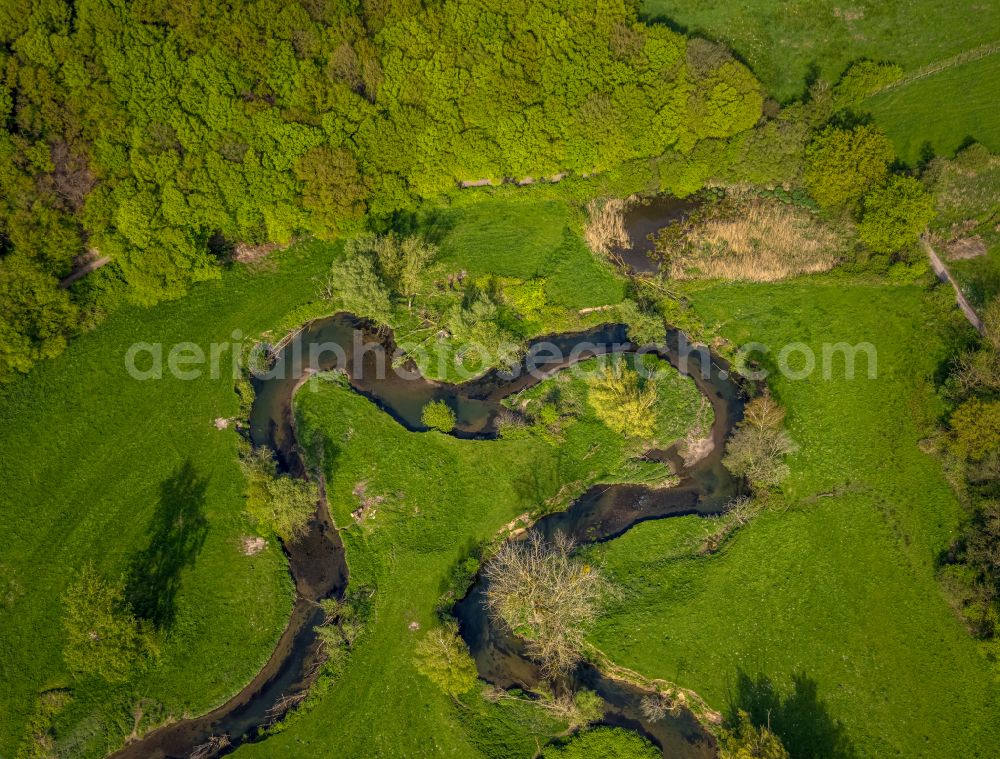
(894, 214)
(843, 164)
(544, 595)
(442, 656)
(758, 447)
(103, 637)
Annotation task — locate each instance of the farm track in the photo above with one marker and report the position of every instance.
(944, 275)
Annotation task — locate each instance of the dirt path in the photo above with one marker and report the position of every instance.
(84, 270)
(941, 270)
(937, 67)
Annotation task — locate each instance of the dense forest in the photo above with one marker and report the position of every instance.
(161, 134)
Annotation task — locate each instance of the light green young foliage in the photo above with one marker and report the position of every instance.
(402, 261)
(355, 286)
(604, 743)
(439, 416)
(894, 214)
(442, 656)
(35, 315)
(278, 503)
(758, 447)
(864, 79)
(103, 637)
(332, 187)
(843, 164)
(623, 401)
(975, 429)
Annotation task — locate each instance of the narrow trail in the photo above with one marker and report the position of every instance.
(966, 56)
(82, 271)
(944, 275)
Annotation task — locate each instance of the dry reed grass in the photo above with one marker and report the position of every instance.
(753, 239)
(605, 227)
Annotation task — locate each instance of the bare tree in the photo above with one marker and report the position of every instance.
(544, 595)
(758, 448)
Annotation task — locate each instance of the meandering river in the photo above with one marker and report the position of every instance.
(317, 561)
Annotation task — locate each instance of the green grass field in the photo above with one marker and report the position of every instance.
(942, 109)
(525, 236)
(782, 41)
(826, 609)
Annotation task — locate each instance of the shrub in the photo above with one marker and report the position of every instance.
(843, 164)
(975, 429)
(604, 743)
(863, 79)
(103, 636)
(645, 327)
(278, 503)
(354, 285)
(438, 416)
(894, 214)
(442, 657)
(622, 401)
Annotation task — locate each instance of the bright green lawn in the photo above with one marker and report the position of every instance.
(781, 40)
(442, 496)
(839, 586)
(942, 109)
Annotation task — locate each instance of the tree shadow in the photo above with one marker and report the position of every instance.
(800, 718)
(176, 535)
(432, 224)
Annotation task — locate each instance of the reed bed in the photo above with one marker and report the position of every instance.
(749, 239)
(605, 227)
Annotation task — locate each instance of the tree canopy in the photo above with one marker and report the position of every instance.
(843, 164)
(162, 133)
(894, 214)
(103, 636)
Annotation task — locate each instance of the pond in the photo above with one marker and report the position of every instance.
(643, 219)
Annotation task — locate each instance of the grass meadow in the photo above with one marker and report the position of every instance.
(99, 467)
(943, 109)
(826, 610)
(786, 42)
